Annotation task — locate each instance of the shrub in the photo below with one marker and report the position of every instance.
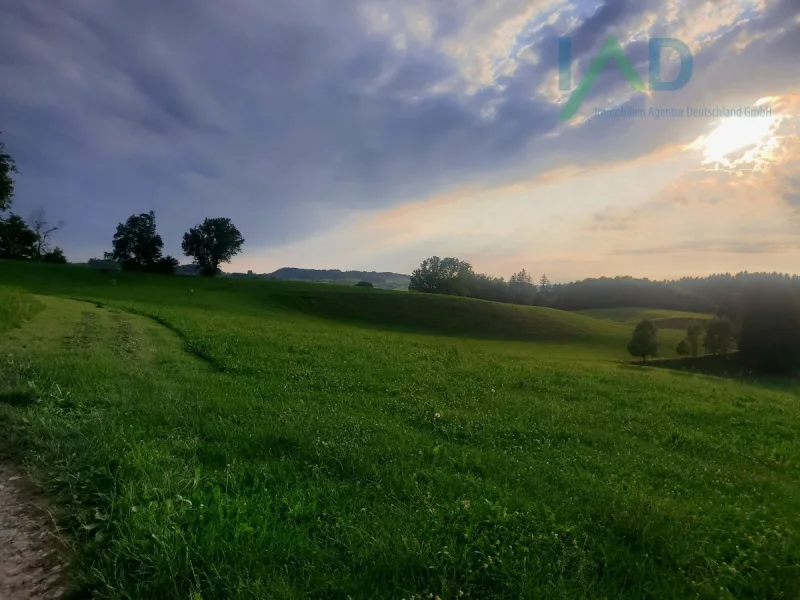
(55, 256)
(366, 284)
(165, 265)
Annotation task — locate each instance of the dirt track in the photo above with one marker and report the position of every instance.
(31, 567)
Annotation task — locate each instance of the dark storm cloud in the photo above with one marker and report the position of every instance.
(282, 115)
(253, 109)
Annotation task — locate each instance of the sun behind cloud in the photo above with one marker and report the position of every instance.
(741, 142)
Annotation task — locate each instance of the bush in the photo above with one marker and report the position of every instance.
(55, 256)
(366, 284)
(165, 265)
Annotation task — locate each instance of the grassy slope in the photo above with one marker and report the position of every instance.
(663, 319)
(632, 316)
(296, 454)
(379, 309)
(16, 308)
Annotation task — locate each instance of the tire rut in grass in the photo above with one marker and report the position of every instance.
(190, 347)
(86, 331)
(127, 341)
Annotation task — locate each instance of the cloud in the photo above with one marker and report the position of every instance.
(793, 199)
(723, 246)
(292, 116)
(616, 219)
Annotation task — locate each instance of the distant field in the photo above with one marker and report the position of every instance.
(663, 319)
(268, 439)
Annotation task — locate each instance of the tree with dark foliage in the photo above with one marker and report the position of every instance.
(644, 341)
(770, 330)
(17, 240)
(211, 243)
(521, 288)
(544, 283)
(7, 167)
(137, 246)
(442, 276)
(55, 256)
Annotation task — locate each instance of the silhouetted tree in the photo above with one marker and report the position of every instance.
(137, 245)
(211, 243)
(56, 255)
(17, 240)
(644, 341)
(544, 283)
(522, 289)
(365, 284)
(442, 276)
(521, 278)
(43, 229)
(428, 277)
(770, 337)
(682, 349)
(719, 336)
(7, 167)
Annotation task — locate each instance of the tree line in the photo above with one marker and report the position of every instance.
(456, 277)
(713, 337)
(756, 315)
(718, 293)
(758, 327)
(136, 245)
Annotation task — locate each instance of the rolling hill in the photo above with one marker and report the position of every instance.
(246, 438)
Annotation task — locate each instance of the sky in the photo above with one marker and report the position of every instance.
(372, 134)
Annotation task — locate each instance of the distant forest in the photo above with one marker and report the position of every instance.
(757, 314)
(718, 293)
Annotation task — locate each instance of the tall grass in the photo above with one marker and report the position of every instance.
(16, 307)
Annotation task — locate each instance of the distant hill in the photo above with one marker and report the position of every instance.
(386, 281)
(103, 264)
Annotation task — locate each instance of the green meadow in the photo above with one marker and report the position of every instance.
(221, 438)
